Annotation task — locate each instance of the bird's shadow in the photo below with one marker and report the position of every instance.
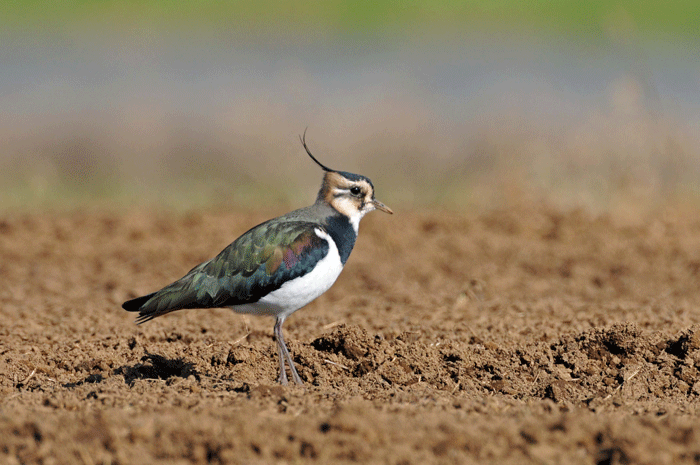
(155, 366)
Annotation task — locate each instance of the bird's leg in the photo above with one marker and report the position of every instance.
(285, 355)
(295, 375)
(283, 372)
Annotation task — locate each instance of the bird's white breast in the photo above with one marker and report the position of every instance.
(298, 292)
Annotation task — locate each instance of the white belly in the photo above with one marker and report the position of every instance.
(294, 294)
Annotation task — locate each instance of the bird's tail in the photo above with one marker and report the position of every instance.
(135, 305)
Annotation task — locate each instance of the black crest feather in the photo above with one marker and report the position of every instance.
(303, 142)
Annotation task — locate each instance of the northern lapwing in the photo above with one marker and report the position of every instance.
(278, 266)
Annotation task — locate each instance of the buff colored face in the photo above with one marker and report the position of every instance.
(352, 196)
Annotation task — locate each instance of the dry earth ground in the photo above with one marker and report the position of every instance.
(522, 335)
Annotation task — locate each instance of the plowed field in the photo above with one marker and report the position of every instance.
(522, 335)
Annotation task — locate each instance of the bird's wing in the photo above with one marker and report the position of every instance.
(255, 264)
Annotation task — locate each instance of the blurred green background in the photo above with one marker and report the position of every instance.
(188, 104)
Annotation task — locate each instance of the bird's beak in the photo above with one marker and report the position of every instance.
(380, 206)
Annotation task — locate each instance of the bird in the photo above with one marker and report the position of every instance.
(278, 266)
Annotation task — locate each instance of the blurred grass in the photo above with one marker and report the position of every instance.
(602, 162)
(581, 20)
(616, 150)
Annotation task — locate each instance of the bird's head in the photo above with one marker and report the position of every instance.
(351, 195)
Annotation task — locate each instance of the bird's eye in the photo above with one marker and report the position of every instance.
(354, 190)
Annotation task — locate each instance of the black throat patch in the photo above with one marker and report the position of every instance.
(340, 230)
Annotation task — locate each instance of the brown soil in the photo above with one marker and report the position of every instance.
(526, 335)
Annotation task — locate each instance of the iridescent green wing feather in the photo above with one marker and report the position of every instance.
(255, 264)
